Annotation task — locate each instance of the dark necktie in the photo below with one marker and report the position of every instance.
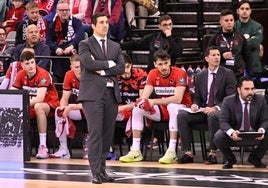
(102, 3)
(103, 47)
(211, 92)
(246, 117)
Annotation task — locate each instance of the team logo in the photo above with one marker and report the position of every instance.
(182, 81)
(43, 81)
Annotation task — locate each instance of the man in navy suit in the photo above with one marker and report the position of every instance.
(101, 61)
(224, 85)
(232, 121)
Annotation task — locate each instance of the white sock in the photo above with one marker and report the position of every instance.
(43, 139)
(63, 140)
(136, 144)
(172, 144)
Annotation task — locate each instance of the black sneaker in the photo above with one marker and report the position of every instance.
(186, 159)
(211, 160)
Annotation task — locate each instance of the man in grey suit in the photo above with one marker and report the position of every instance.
(101, 61)
(207, 99)
(232, 122)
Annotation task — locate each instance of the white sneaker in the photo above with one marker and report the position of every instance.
(63, 153)
(170, 157)
(42, 153)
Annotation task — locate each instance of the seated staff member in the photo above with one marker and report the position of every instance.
(244, 111)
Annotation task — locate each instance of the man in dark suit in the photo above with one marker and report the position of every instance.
(101, 62)
(232, 121)
(207, 98)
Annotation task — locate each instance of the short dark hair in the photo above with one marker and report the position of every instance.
(240, 3)
(164, 17)
(242, 79)
(27, 55)
(226, 12)
(208, 49)
(161, 54)
(127, 58)
(95, 17)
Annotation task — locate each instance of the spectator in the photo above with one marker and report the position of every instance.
(72, 110)
(143, 8)
(208, 99)
(166, 39)
(232, 121)
(78, 10)
(233, 45)
(3, 9)
(47, 9)
(101, 61)
(252, 31)
(12, 71)
(14, 15)
(170, 85)
(33, 17)
(43, 96)
(114, 10)
(33, 41)
(5, 49)
(63, 37)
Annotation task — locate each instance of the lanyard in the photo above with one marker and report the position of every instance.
(229, 45)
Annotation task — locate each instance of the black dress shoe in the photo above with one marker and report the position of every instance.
(228, 165)
(96, 179)
(253, 159)
(105, 178)
(211, 160)
(186, 159)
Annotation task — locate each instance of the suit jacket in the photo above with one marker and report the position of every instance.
(92, 85)
(225, 84)
(231, 113)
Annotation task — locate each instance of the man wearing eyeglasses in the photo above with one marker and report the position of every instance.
(5, 49)
(165, 39)
(253, 32)
(63, 37)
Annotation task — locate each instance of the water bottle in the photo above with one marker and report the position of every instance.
(182, 67)
(198, 69)
(190, 74)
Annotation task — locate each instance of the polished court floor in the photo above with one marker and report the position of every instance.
(60, 173)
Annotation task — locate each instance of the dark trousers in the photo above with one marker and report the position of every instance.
(186, 119)
(100, 117)
(224, 143)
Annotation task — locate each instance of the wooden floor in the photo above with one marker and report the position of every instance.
(75, 173)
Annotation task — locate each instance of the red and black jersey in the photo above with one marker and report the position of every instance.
(165, 87)
(129, 89)
(71, 83)
(41, 79)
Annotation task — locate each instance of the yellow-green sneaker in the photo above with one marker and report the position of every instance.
(170, 157)
(132, 156)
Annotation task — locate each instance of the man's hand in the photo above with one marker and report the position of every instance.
(208, 110)
(262, 136)
(235, 136)
(227, 55)
(59, 51)
(194, 107)
(69, 50)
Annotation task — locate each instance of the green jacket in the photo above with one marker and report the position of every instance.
(253, 32)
